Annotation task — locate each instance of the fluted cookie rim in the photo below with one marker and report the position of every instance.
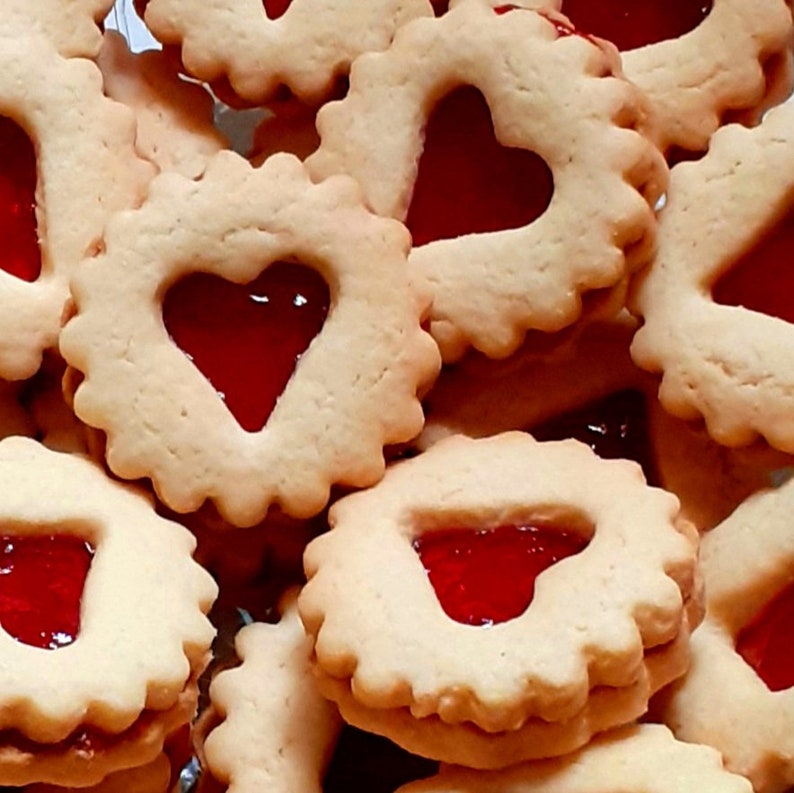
(614, 180)
(131, 654)
(746, 561)
(261, 703)
(638, 757)
(727, 365)
(87, 167)
(399, 649)
(307, 49)
(163, 419)
(464, 744)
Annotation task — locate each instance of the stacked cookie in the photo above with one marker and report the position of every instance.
(444, 374)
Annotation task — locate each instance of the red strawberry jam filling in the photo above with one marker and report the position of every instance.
(763, 279)
(488, 576)
(630, 24)
(246, 339)
(41, 587)
(276, 8)
(615, 427)
(467, 182)
(18, 229)
(767, 643)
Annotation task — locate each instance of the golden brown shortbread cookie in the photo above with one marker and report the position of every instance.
(744, 641)
(353, 390)
(548, 92)
(73, 710)
(640, 759)
(731, 365)
(386, 645)
(85, 168)
(306, 49)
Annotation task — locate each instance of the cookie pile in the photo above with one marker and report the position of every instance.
(436, 436)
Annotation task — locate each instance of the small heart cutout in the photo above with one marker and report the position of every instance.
(484, 577)
(763, 279)
(246, 339)
(467, 182)
(629, 24)
(614, 427)
(276, 8)
(41, 588)
(18, 227)
(767, 643)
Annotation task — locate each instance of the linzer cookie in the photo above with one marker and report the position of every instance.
(70, 164)
(250, 338)
(258, 47)
(498, 600)
(640, 759)
(509, 147)
(176, 131)
(717, 319)
(275, 731)
(97, 673)
(590, 390)
(697, 61)
(739, 694)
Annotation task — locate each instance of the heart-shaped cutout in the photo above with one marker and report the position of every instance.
(763, 279)
(246, 339)
(614, 427)
(767, 643)
(484, 577)
(41, 588)
(18, 227)
(629, 24)
(276, 8)
(467, 182)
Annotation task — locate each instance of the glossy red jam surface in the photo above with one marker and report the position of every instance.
(247, 339)
(630, 24)
(763, 279)
(276, 8)
(18, 229)
(615, 427)
(767, 643)
(41, 587)
(367, 763)
(440, 7)
(469, 183)
(488, 576)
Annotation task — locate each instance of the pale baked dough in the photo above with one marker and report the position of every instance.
(498, 396)
(276, 731)
(73, 28)
(132, 654)
(554, 94)
(175, 118)
(722, 702)
(354, 389)
(87, 168)
(381, 634)
(636, 759)
(736, 62)
(306, 49)
(732, 366)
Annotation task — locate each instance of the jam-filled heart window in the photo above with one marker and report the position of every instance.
(247, 338)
